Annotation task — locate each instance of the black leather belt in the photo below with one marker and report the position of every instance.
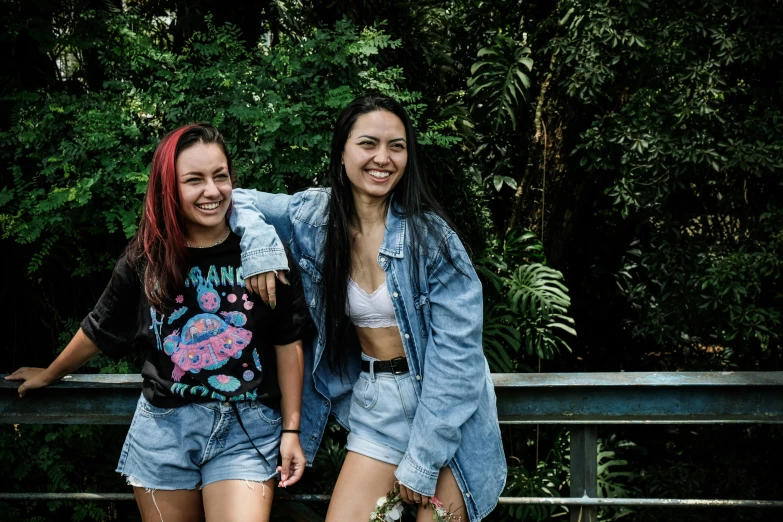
(396, 366)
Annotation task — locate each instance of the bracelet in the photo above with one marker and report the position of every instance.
(291, 431)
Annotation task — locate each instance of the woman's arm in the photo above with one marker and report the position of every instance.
(261, 220)
(112, 324)
(80, 350)
(453, 376)
(290, 374)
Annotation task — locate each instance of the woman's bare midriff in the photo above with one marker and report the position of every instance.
(381, 343)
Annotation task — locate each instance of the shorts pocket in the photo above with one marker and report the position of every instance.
(267, 414)
(147, 409)
(365, 393)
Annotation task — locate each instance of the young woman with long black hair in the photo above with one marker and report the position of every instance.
(398, 307)
(222, 371)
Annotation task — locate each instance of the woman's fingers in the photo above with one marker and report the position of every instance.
(265, 284)
(269, 280)
(296, 468)
(23, 373)
(285, 470)
(18, 375)
(256, 284)
(33, 378)
(411, 497)
(404, 495)
(296, 474)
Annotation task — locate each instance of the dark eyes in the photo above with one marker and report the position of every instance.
(218, 177)
(395, 146)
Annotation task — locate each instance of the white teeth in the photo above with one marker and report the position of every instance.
(379, 174)
(209, 206)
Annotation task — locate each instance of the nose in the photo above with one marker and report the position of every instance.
(211, 188)
(382, 157)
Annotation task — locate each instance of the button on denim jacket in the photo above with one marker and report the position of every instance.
(439, 313)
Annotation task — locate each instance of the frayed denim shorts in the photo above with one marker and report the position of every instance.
(198, 444)
(382, 412)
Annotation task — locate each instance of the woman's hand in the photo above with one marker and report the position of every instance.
(264, 285)
(411, 497)
(293, 460)
(33, 378)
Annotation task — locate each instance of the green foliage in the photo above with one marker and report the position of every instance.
(497, 88)
(80, 162)
(543, 478)
(52, 458)
(499, 81)
(614, 477)
(527, 305)
(686, 136)
(329, 459)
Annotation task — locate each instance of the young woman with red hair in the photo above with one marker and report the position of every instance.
(222, 371)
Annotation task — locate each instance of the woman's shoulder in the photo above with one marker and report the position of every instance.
(314, 196)
(311, 206)
(128, 268)
(437, 229)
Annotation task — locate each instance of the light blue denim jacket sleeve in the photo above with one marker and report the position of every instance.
(261, 220)
(454, 368)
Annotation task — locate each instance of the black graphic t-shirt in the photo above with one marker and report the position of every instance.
(215, 343)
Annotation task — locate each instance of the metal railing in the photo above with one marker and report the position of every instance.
(583, 401)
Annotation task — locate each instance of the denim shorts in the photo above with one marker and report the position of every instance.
(198, 444)
(382, 412)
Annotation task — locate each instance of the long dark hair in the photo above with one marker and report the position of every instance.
(158, 251)
(413, 201)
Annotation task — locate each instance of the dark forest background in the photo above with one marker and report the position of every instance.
(614, 165)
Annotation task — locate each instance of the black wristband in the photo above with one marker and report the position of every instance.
(291, 431)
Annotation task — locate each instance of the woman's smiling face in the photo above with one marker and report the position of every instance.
(204, 188)
(375, 154)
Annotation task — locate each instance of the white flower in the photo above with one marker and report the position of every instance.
(395, 512)
(381, 502)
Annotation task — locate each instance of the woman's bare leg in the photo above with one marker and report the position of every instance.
(238, 501)
(447, 491)
(181, 505)
(361, 483)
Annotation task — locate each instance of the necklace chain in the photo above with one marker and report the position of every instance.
(222, 238)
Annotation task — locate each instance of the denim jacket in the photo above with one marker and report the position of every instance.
(439, 313)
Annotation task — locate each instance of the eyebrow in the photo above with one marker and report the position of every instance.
(373, 138)
(199, 173)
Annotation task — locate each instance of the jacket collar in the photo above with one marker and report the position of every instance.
(394, 238)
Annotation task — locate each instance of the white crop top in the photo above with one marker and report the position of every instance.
(369, 310)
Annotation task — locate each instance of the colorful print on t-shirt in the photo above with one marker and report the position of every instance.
(207, 341)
